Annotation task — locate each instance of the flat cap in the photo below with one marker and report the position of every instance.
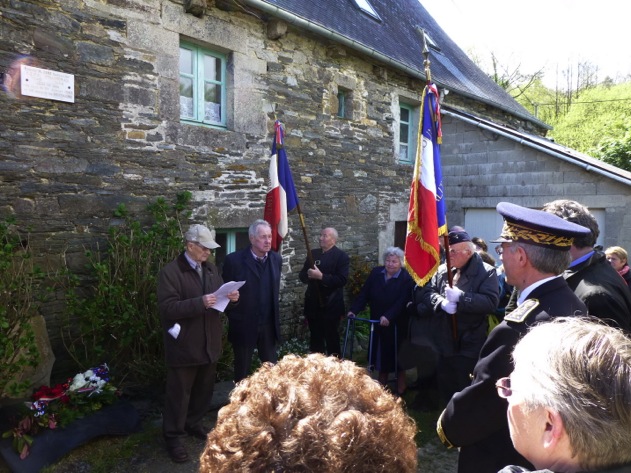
(537, 227)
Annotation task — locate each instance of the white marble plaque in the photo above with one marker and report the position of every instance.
(47, 84)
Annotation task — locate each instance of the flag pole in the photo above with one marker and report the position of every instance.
(280, 144)
(450, 276)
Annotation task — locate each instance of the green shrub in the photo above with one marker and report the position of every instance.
(19, 282)
(116, 319)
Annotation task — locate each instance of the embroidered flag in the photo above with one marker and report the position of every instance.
(426, 213)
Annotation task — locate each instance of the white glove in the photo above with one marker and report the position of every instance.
(453, 294)
(449, 307)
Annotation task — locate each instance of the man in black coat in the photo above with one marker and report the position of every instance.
(590, 275)
(460, 312)
(535, 251)
(255, 321)
(324, 298)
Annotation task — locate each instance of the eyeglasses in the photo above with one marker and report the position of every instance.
(499, 250)
(504, 389)
(455, 252)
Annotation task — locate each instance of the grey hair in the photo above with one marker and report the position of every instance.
(545, 260)
(580, 368)
(253, 229)
(333, 232)
(393, 251)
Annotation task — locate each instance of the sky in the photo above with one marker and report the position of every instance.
(540, 34)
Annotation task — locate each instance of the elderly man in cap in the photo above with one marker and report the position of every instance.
(535, 251)
(192, 332)
(460, 312)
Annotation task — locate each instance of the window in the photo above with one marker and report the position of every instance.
(341, 103)
(230, 241)
(344, 103)
(366, 7)
(407, 138)
(202, 85)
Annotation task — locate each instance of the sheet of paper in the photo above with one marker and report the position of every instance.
(175, 331)
(222, 294)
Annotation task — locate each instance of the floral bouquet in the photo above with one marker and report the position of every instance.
(59, 405)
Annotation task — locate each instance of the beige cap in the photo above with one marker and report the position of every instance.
(202, 235)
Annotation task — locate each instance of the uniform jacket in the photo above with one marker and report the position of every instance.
(479, 282)
(180, 301)
(475, 418)
(602, 290)
(243, 316)
(334, 265)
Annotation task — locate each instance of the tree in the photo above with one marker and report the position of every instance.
(616, 152)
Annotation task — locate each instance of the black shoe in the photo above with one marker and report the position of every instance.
(178, 454)
(197, 432)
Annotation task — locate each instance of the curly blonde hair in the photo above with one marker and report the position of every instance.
(311, 414)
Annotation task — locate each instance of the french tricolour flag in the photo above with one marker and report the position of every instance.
(281, 196)
(426, 214)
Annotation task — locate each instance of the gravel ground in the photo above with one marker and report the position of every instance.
(149, 454)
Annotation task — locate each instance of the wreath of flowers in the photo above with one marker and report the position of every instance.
(57, 406)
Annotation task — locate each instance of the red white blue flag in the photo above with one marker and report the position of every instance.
(281, 196)
(426, 213)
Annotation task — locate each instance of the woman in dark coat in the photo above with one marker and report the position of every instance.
(387, 291)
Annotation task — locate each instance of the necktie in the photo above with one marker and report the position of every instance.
(198, 268)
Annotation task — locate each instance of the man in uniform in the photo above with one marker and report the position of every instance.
(535, 251)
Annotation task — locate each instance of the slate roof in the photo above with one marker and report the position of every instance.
(395, 39)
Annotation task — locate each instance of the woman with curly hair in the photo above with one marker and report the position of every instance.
(311, 414)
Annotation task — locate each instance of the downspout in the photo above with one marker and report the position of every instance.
(543, 149)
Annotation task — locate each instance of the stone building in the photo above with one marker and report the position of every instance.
(181, 95)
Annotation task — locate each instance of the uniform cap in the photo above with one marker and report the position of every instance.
(537, 227)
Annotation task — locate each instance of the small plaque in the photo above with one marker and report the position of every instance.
(47, 84)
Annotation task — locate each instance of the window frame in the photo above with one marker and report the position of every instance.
(411, 139)
(199, 82)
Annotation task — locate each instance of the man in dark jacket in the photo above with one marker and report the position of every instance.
(255, 321)
(590, 275)
(192, 338)
(324, 298)
(535, 251)
(461, 312)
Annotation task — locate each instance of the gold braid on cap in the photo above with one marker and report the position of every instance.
(515, 232)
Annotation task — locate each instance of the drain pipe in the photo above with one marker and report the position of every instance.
(538, 147)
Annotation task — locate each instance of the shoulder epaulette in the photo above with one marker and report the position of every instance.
(523, 311)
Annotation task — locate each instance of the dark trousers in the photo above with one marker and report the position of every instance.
(325, 336)
(189, 392)
(454, 374)
(265, 344)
